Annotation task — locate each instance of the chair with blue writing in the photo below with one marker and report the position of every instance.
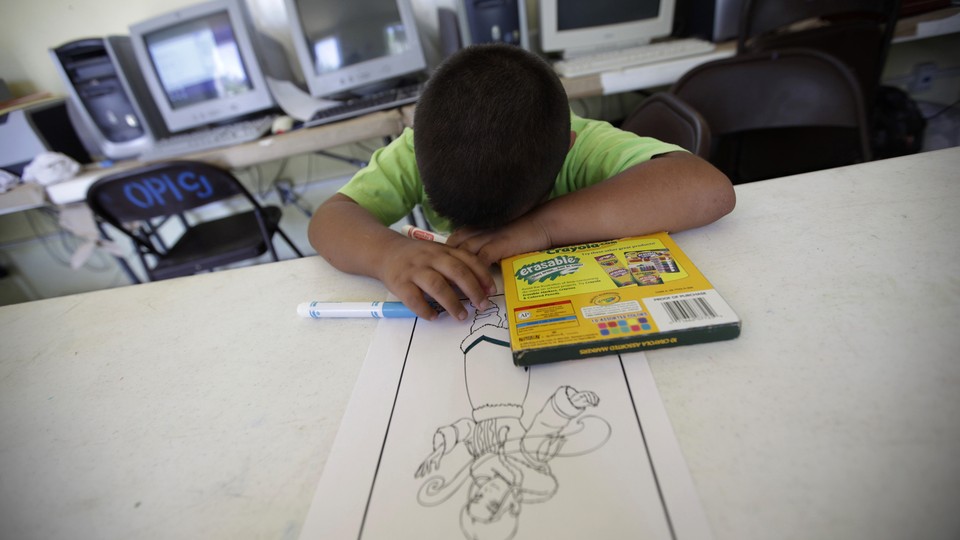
(167, 210)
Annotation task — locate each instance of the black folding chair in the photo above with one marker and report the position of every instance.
(167, 211)
(666, 117)
(778, 113)
(856, 32)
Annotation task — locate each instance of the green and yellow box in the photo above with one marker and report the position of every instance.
(610, 297)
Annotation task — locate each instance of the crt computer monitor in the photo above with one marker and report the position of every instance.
(575, 27)
(354, 46)
(200, 64)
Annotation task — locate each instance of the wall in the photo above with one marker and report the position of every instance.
(28, 29)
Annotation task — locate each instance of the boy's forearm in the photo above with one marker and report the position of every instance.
(347, 236)
(671, 193)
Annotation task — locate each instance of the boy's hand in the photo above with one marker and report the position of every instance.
(491, 245)
(414, 268)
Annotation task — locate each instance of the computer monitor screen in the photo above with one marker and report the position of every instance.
(355, 46)
(200, 64)
(198, 61)
(575, 27)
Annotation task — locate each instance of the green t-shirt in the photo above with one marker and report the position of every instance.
(390, 187)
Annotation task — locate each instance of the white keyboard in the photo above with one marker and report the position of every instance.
(633, 56)
(208, 139)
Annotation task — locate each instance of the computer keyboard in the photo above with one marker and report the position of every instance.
(386, 99)
(633, 56)
(209, 138)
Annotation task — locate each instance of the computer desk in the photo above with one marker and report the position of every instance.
(930, 24)
(642, 77)
(203, 407)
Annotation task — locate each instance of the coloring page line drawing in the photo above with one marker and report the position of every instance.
(445, 438)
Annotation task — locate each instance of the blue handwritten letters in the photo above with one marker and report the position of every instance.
(158, 190)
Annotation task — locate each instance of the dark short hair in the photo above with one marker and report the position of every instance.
(492, 130)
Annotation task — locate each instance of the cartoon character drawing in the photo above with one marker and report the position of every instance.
(509, 462)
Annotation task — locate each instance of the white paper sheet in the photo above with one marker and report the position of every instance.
(296, 103)
(445, 438)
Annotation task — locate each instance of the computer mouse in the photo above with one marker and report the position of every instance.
(281, 124)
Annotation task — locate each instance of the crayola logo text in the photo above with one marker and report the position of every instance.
(560, 265)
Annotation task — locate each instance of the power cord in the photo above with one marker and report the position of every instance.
(288, 196)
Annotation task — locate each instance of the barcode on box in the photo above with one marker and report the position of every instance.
(694, 309)
(690, 310)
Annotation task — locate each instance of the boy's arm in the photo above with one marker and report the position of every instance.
(672, 192)
(352, 240)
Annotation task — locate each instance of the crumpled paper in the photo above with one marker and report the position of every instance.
(49, 168)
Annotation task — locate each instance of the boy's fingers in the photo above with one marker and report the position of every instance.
(481, 272)
(423, 301)
(436, 286)
(414, 300)
(461, 235)
(472, 278)
(442, 274)
(473, 242)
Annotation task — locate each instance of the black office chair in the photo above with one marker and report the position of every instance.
(142, 203)
(778, 113)
(666, 117)
(857, 32)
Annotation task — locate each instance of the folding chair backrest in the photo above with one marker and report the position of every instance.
(161, 190)
(857, 32)
(140, 202)
(666, 117)
(778, 113)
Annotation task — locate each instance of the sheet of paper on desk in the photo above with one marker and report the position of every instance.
(445, 438)
(296, 103)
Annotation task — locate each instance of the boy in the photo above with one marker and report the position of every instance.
(498, 158)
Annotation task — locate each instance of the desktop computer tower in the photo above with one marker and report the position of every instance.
(107, 96)
(493, 21)
(712, 20)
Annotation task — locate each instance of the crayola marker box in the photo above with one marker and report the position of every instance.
(610, 297)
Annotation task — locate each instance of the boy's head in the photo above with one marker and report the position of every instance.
(492, 131)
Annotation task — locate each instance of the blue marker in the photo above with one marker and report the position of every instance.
(376, 310)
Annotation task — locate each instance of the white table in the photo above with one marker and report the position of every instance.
(836, 413)
(203, 407)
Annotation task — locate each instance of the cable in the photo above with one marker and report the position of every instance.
(68, 242)
(309, 167)
(289, 196)
(43, 236)
(943, 110)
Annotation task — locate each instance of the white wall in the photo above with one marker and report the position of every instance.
(28, 28)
